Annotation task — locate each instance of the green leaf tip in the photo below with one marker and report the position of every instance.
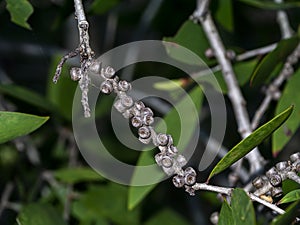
(20, 11)
(250, 142)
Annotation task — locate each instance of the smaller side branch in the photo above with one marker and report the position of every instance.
(283, 22)
(228, 191)
(5, 196)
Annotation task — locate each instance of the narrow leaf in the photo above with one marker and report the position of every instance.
(290, 96)
(242, 208)
(20, 11)
(291, 197)
(247, 144)
(186, 133)
(269, 63)
(224, 14)
(226, 216)
(192, 37)
(13, 124)
(289, 216)
(167, 216)
(39, 214)
(27, 96)
(75, 175)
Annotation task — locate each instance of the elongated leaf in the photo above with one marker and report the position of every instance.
(269, 63)
(13, 124)
(242, 208)
(75, 175)
(291, 197)
(27, 96)
(290, 95)
(289, 216)
(226, 215)
(250, 142)
(39, 214)
(20, 11)
(109, 202)
(138, 193)
(167, 216)
(224, 14)
(191, 36)
(271, 4)
(102, 6)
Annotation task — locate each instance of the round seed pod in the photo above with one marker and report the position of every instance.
(162, 139)
(258, 182)
(106, 87)
(75, 73)
(276, 191)
(166, 161)
(95, 67)
(123, 85)
(144, 132)
(109, 72)
(190, 179)
(178, 181)
(275, 180)
(148, 120)
(295, 157)
(136, 121)
(126, 101)
(282, 165)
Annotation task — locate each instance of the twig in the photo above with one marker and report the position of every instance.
(234, 92)
(228, 191)
(283, 23)
(255, 52)
(272, 91)
(5, 196)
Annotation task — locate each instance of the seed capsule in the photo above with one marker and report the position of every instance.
(167, 162)
(148, 120)
(190, 170)
(119, 106)
(258, 182)
(276, 191)
(190, 179)
(178, 181)
(75, 73)
(95, 67)
(162, 139)
(136, 121)
(181, 160)
(126, 101)
(144, 132)
(106, 87)
(109, 72)
(294, 157)
(275, 179)
(282, 165)
(158, 157)
(123, 85)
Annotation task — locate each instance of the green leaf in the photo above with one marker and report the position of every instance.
(243, 71)
(167, 216)
(290, 96)
(226, 215)
(102, 6)
(20, 11)
(109, 202)
(27, 96)
(269, 63)
(224, 14)
(192, 37)
(250, 142)
(61, 94)
(242, 208)
(13, 125)
(289, 216)
(75, 175)
(39, 214)
(138, 193)
(291, 197)
(271, 4)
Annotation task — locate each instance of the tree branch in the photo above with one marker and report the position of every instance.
(234, 92)
(5, 196)
(283, 22)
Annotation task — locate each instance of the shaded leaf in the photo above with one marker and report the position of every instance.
(269, 63)
(167, 216)
(138, 193)
(75, 175)
(289, 96)
(250, 142)
(242, 208)
(192, 37)
(226, 215)
(102, 6)
(289, 216)
(20, 11)
(109, 202)
(62, 93)
(14, 124)
(27, 96)
(271, 4)
(243, 71)
(224, 14)
(39, 214)
(291, 197)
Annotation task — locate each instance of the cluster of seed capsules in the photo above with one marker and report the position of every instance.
(142, 118)
(271, 183)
